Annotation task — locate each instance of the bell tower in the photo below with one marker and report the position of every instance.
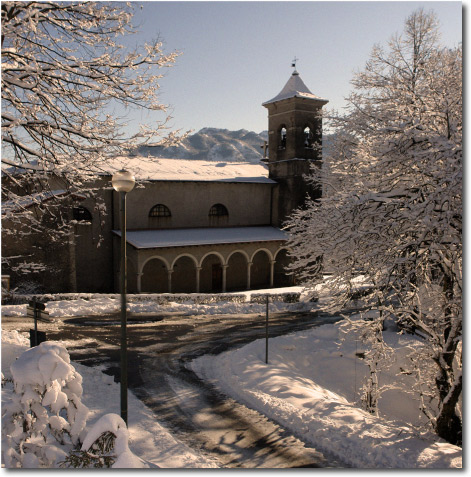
(294, 144)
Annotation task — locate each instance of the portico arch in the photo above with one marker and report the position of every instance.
(221, 258)
(154, 278)
(261, 269)
(159, 257)
(183, 276)
(237, 264)
(211, 273)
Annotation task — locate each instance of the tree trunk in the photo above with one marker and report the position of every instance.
(449, 425)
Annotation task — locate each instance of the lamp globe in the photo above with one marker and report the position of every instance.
(123, 181)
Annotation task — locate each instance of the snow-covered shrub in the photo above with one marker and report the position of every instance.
(289, 297)
(106, 445)
(158, 298)
(45, 417)
(28, 287)
(196, 298)
(210, 298)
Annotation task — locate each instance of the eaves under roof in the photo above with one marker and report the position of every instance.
(144, 239)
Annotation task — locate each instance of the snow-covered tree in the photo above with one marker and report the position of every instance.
(44, 422)
(393, 210)
(66, 78)
(45, 417)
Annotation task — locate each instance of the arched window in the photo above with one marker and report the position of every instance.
(81, 214)
(218, 216)
(308, 138)
(218, 210)
(282, 139)
(160, 210)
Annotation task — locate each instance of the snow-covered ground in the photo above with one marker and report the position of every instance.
(148, 439)
(310, 386)
(109, 304)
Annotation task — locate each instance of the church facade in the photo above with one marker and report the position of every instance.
(197, 226)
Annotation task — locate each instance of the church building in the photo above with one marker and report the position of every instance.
(202, 226)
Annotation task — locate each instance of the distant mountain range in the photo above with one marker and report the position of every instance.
(219, 145)
(214, 144)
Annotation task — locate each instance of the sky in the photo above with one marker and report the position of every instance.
(236, 55)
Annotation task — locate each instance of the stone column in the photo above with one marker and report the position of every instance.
(138, 281)
(272, 272)
(198, 270)
(224, 277)
(249, 266)
(169, 278)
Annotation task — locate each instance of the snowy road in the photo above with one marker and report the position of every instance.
(206, 420)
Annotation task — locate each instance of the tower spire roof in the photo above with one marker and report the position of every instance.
(294, 88)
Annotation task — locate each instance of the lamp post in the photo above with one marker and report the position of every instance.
(123, 182)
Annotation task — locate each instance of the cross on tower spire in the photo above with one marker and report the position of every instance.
(293, 65)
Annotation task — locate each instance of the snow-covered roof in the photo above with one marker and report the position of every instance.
(295, 88)
(201, 236)
(161, 169)
(158, 169)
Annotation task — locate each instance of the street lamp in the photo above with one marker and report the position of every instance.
(123, 182)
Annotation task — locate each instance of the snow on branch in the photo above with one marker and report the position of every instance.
(391, 212)
(64, 72)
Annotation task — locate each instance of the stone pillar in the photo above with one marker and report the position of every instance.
(272, 272)
(249, 266)
(169, 278)
(138, 282)
(224, 277)
(198, 270)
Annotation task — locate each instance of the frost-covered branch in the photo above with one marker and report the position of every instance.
(64, 72)
(392, 217)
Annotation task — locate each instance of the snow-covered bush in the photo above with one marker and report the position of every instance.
(43, 424)
(196, 298)
(288, 297)
(106, 445)
(28, 287)
(158, 298)
(45, 417)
